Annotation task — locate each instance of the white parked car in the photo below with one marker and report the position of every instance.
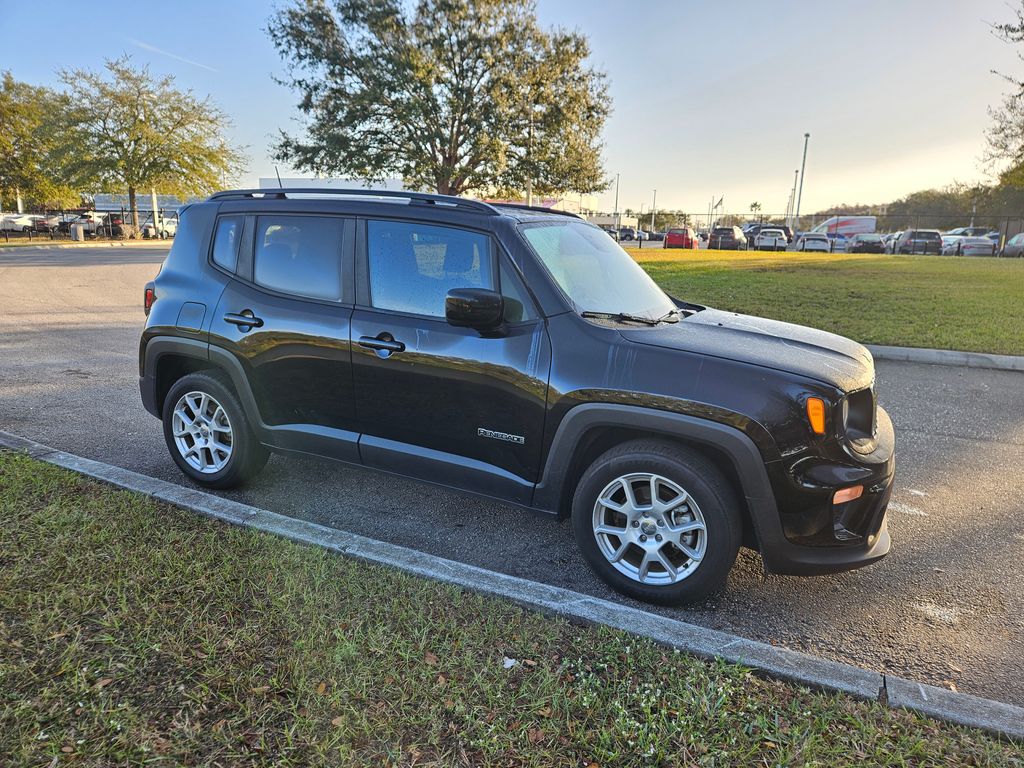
(770, 240)
(814, 241)
(17, 222)
(168, 228)
(975, 246)
(950, 242)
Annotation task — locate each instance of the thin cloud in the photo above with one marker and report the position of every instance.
(162, 52)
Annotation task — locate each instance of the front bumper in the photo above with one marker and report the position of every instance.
(811, 535)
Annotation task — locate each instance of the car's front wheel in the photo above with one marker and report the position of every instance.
(657, 521)
(207, 433)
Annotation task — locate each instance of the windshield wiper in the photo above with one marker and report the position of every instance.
(667, 317)
(620, 316)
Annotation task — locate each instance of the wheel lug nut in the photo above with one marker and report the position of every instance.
(636, 523)
(642, 537)
(658, 537)
(661, 523)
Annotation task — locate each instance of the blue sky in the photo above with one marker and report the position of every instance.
(710, 98)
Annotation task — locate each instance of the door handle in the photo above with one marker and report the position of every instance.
(245, 319)
(384, 344)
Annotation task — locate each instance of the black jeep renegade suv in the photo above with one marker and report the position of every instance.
(520, 354)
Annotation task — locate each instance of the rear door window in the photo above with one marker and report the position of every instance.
(300, 255)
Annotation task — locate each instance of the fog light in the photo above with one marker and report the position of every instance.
(848, 494)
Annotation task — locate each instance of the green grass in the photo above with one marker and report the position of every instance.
(132, 633)
(973, 304)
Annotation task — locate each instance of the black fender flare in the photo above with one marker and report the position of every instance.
(161, 346)
(745, 457)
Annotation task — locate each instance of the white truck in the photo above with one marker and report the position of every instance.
(838, 228)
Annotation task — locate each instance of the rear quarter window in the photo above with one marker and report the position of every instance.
(225, 242)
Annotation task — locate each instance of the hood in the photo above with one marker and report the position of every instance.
(819, 355)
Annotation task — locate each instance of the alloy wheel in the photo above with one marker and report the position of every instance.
(202, 432)
(649, 529)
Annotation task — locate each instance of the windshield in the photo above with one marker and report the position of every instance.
(594, 272)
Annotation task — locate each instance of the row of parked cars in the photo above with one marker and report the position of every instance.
(758, 237)
(93, 223)
(963, 241)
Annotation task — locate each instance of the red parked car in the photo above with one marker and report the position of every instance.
(684, 237)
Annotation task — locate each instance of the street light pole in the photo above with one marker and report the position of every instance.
(792, 199)
(800, 193)
(654, 205)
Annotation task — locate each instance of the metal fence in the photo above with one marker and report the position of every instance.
(54, 224)
(1000, 228)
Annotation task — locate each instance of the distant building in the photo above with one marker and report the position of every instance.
(390, 185)
(167, 204)
(608, 221)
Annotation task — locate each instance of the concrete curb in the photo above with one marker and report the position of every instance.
(947, 357)
(793, 666)
(4, 248)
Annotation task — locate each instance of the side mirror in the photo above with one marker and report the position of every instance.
(476, 308)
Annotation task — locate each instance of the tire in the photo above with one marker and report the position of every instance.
(708, 499)
(245, 456)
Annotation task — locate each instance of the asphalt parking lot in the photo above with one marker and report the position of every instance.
(945, 607)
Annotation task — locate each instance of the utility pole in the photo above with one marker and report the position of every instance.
(617, 220)
(156, 218)
(654, 204)
(800, 193)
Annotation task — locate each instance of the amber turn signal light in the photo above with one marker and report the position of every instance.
(816, 415)
(848, 494)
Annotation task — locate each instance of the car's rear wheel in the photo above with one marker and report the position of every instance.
(657, 521)
(207, 433)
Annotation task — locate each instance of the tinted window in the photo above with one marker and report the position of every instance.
(299, 255)
(413, 266)
(225, 242)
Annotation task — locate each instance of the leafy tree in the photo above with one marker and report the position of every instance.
(1005, 137)
(27, 135)
(451, 95)
(132, 131)
(755, 208)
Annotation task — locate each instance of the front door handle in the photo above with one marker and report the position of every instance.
(384, 344)
(245, 320)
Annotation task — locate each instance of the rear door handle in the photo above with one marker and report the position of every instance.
(384, 344)
(244, 319)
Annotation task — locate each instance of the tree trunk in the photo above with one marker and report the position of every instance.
(134, 206)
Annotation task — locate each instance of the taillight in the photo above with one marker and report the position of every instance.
(148, 298)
